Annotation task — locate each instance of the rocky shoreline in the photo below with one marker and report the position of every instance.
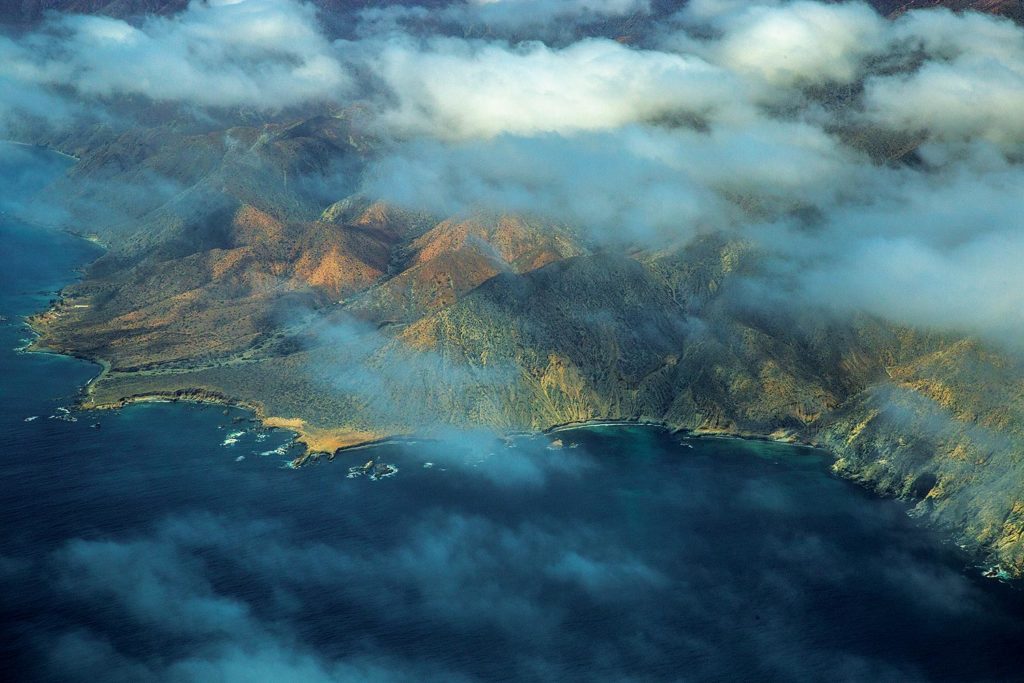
(985, 560)
(889, 457)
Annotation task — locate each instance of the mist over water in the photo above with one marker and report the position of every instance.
(162, 546)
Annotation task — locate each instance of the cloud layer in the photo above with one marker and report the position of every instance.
(267, 54)
(875, 160)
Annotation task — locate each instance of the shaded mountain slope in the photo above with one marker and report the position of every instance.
(656, 337)
(456, 256)
(236, 275)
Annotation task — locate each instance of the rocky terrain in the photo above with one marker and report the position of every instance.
(363, 321)
(255, 273)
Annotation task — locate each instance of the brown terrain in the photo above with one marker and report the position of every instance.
(236, 279)
(359, 321)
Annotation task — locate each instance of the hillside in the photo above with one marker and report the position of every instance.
(247, 264)
(365, 323)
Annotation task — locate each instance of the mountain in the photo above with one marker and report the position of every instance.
(456, 256)
(351, 321)
(245, 267)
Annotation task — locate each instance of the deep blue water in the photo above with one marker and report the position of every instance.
(147, 549)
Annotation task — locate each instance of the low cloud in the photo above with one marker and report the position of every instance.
(389, 382)
(369, 590)
(24, 173)
(933, 248)
(648, 184)
(451, 88)
(797, 43)
(258, 54)
(483, 456)
(873, 159)
(460, 571)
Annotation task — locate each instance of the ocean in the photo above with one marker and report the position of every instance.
(172, 542)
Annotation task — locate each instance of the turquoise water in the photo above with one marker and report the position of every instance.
(147, 548)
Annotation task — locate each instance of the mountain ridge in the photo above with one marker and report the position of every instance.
(245, 266)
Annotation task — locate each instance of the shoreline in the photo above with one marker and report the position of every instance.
(329, 444)
(316, 440)
(320, 443)
(774, 437)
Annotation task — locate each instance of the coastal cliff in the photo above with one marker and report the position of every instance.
(251, 262)
(658, 337)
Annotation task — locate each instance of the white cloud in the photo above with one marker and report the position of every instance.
(718, 129)
(936, 250)
(547, 8)
(953, 102)
(642, 183)
(799, 43)
(970, 85)
(718, 122)
(974, 286)
(266, 54)
(456, 89)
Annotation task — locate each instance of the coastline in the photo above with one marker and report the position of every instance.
(774, 437)
(331, 442)
(318, 442)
